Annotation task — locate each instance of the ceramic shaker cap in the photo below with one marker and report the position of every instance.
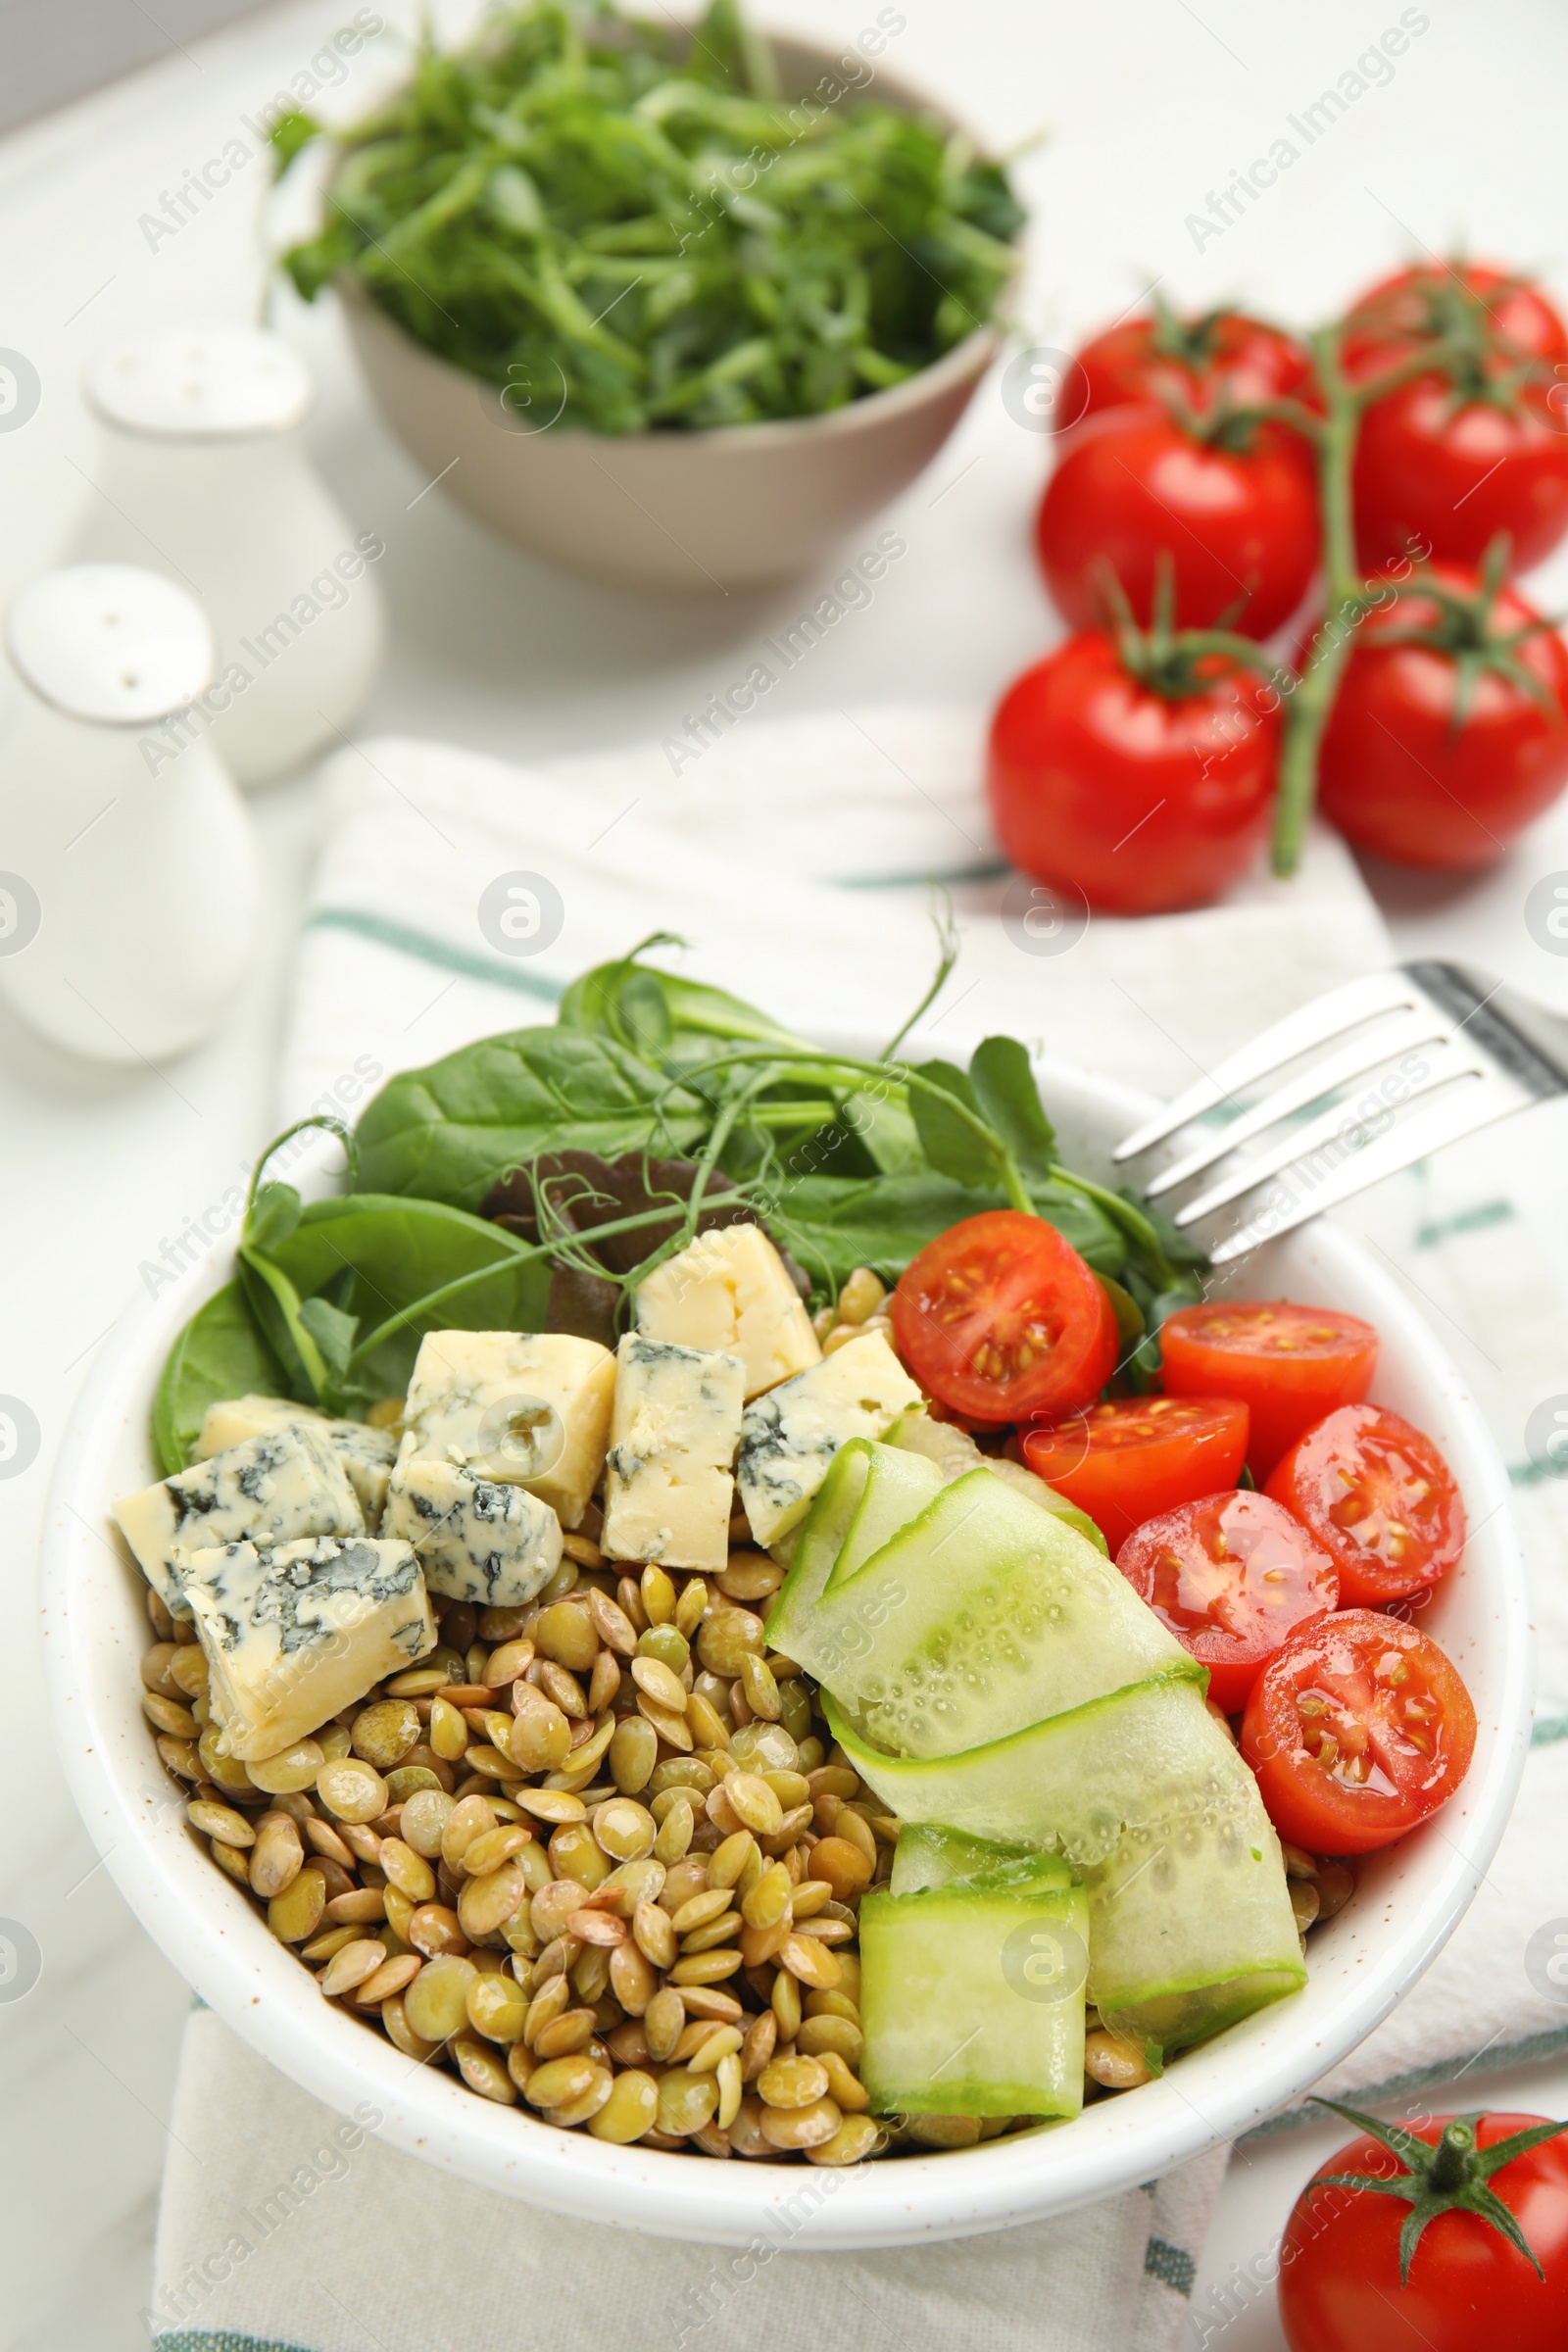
(208, 383)
(111, 644)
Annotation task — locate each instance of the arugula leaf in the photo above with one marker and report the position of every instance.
(450, 1130)
(221, 1352)
(1003, 1082)
(636, 219)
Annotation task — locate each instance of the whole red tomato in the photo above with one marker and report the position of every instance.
(1143, 793)
(1223, 357)
(1439, 752)
(1135, 490)
(1482, 2184)
(1479, 443)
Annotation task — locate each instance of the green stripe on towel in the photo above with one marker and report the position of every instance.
(1548, 1730)
(1172, 2265)
(427, 949)
(200, 2339)
(1497, 2055)
(1465, 1220)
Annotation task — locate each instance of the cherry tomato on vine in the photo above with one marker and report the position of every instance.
(1379, 1498)
(1487, 2271)
(1449, 732)
(1289, 1364)
(1127, 1459)
(1477, 444)
(1222, 357)
(1232, 1576)
(1001, 1320)
(1232, 509)
(1357, 1729)
(1144, 792)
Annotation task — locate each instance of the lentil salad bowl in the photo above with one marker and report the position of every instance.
(744, 1859)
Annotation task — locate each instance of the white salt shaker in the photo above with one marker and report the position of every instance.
(204, 476)
(131, 889)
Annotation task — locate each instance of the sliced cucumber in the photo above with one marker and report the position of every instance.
(896, 1491)
(972, 1996)
(982, 1615)
(930, 1854)
(955, 1452)
(1190, 1925)
(866, 1496)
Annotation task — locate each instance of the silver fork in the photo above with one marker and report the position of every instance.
(1434, 1051)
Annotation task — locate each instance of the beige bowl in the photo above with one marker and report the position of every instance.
(699, 511)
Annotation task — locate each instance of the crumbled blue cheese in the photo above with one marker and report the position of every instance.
(669, 1483)
(729, 1292)
(477, 1538)
(790, 1436)
(281, 1484)
(293, 1633)
(366, 1454)
(530, 1410)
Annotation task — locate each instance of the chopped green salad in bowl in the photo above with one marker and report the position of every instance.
(590, 241)
(608, 1632)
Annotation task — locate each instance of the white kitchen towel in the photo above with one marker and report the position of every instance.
(792, 860)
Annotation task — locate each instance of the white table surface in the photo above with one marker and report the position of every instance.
(1149, 106)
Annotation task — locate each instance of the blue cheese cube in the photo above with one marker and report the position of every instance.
(293, 1633)
(477, 1538)
(366, 1454)
(526, 1408)
(790, 1436)
(669, 1483)
(284, 1483)
(730, 1292)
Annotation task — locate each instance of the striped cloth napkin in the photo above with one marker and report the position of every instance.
(793, 858)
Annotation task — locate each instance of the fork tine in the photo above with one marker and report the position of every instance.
(1448, 1063)
(1355, 1061)
(1313, 1024)
(1440, 1124)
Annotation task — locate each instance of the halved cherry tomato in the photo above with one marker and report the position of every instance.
(1001, 1320)
(1289, 1364)
(1357, 1729)
(1231, 1576)
(1124, 1460)
(1380, 1498)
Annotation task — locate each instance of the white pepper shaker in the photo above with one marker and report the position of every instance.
(130, 895)
(204, 476)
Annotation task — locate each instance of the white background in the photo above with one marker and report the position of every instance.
(1148, 106)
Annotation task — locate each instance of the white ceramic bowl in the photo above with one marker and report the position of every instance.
(697, 512)
(1409, 1900)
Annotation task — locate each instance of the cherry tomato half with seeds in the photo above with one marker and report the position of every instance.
(1129, 1459)
(1467, 2288)
(1379, 1496)
(1001, 1320)
(1141, 796)
(1288, 1364)
(1222, 356)
(1231, 1576)
(1133, 490)
(1357, 1729)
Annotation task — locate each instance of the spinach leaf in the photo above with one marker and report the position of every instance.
(833, 1224)
(1004, 1086)
(613, 1001)
(954, 1146)
(450, 1130)
(384, 1258)
(220, 1353)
